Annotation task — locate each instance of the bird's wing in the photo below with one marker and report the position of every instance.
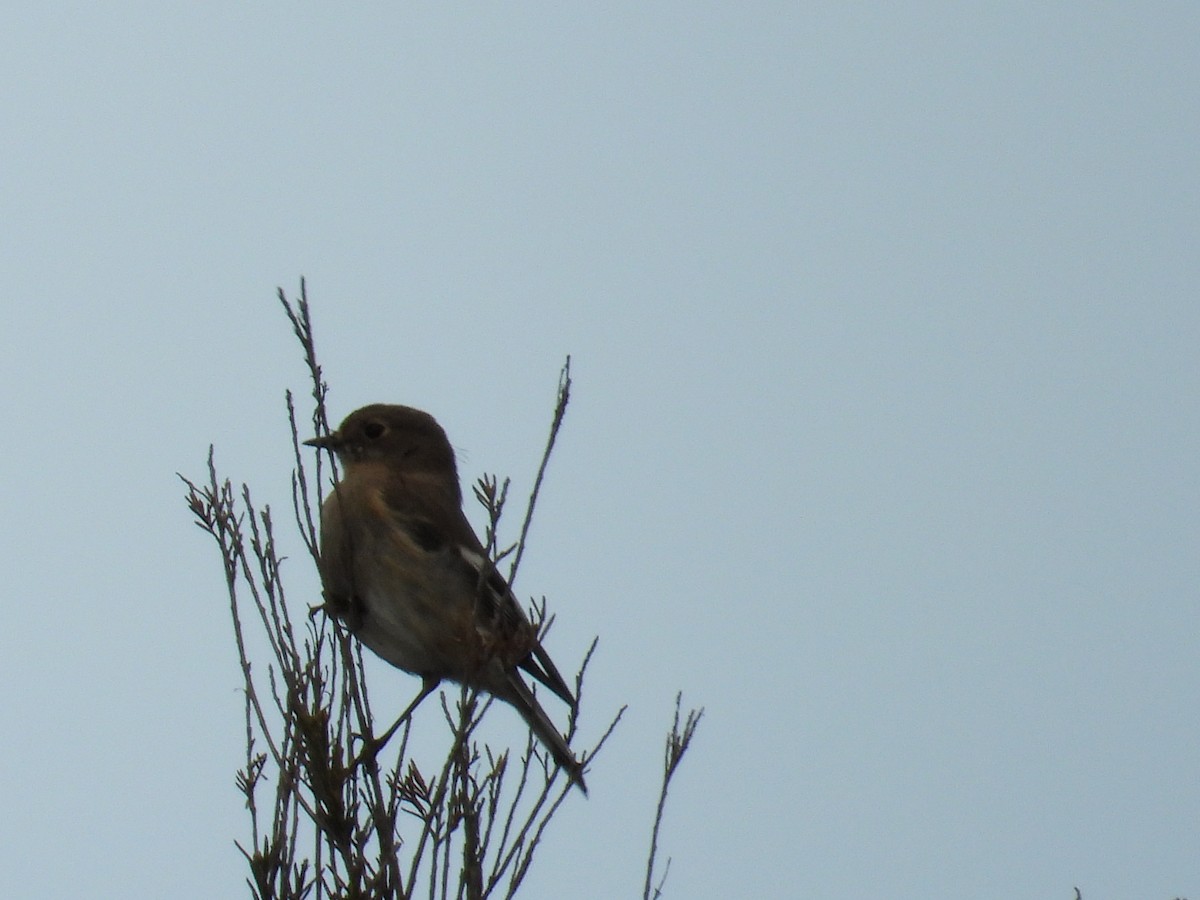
(502, 603)
(437, 526)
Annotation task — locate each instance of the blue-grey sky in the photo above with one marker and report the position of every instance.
(883, 444)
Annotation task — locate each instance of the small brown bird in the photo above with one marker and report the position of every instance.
(402, 568)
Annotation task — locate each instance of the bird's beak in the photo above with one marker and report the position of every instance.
(326, 442)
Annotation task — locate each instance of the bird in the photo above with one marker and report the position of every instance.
(402, 568)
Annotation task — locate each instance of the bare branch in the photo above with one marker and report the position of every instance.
(678, 741)
(560, 410)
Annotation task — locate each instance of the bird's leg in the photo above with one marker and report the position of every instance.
(373, 746)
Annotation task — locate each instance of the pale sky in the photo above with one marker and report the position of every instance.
(883, 444)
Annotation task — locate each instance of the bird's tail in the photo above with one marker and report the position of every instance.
(520, 696)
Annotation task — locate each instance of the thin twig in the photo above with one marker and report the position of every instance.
(678, 741)
(560, 410)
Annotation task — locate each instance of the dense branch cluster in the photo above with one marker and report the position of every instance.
(328, 819)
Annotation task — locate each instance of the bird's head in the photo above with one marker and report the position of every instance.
(399, 436)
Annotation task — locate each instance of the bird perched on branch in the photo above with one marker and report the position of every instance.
(402, 568)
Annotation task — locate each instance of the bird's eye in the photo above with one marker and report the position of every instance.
(374, 430)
